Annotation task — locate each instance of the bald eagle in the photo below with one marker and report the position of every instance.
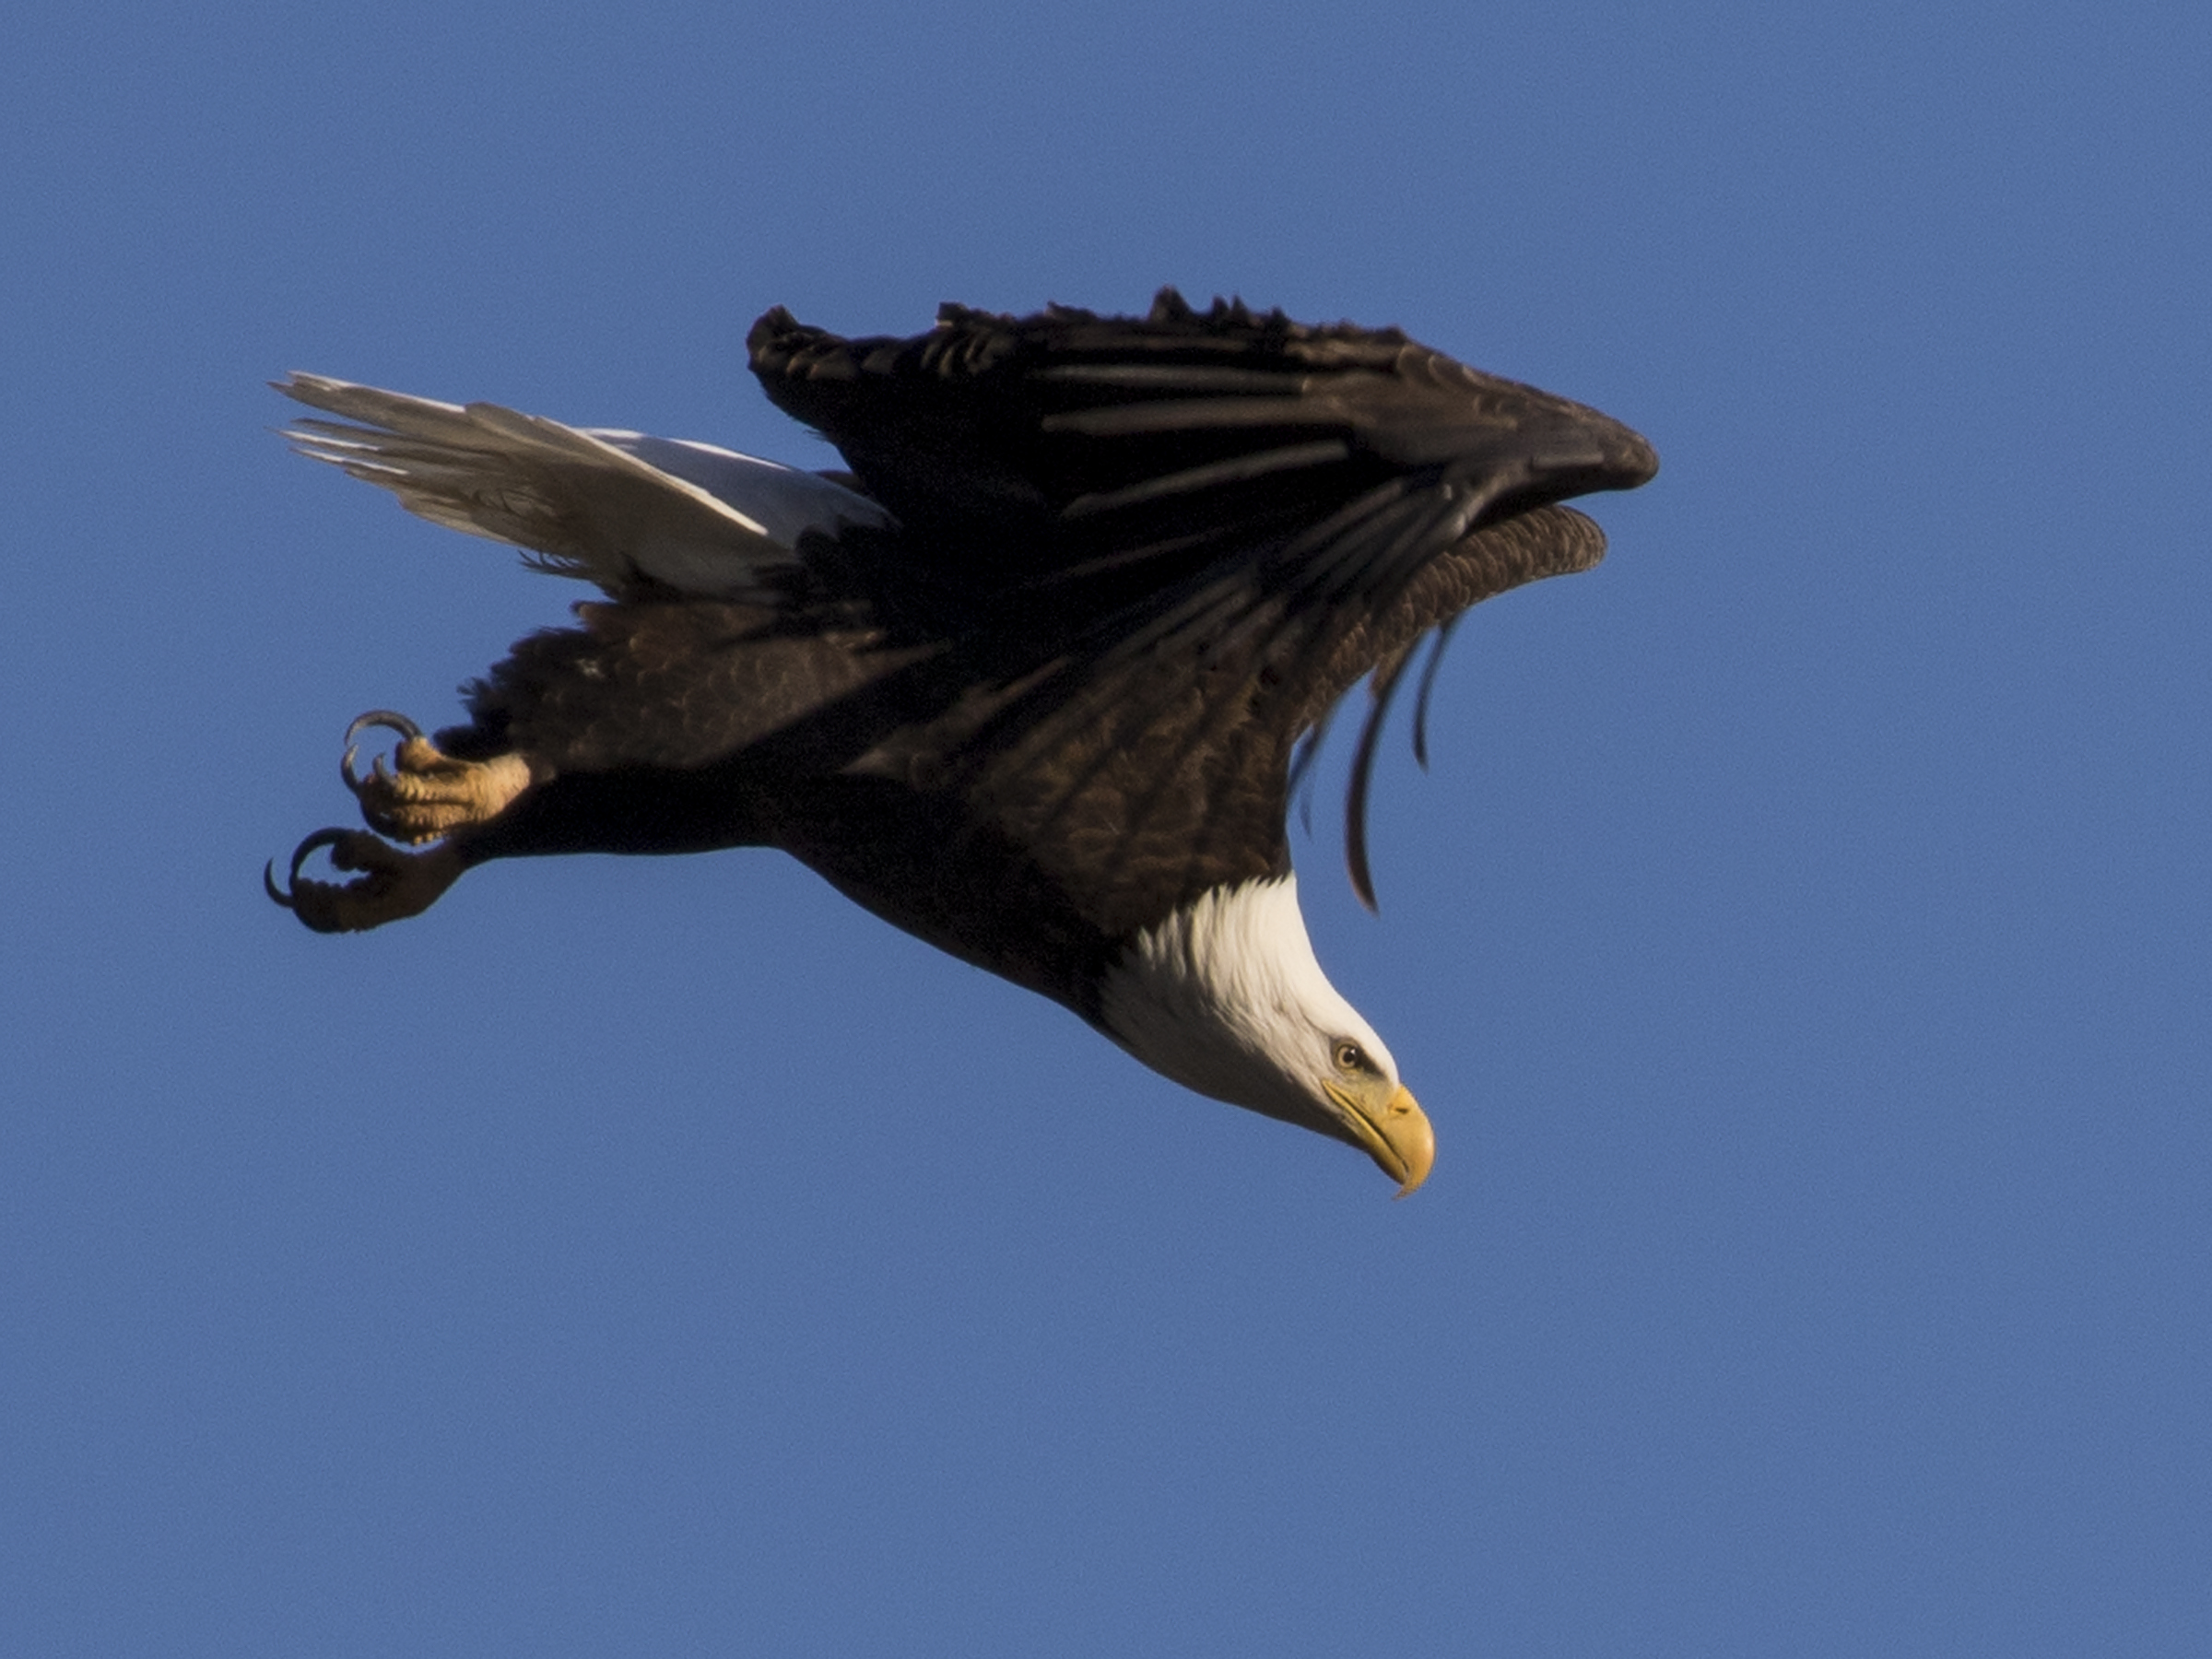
(1029, 682)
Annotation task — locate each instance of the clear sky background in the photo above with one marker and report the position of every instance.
(1800, 943)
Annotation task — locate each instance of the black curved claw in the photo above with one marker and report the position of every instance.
(300, 854)
(391, 722)
(387, 883)
(386, 718)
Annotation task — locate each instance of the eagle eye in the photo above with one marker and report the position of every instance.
(1350, 1058)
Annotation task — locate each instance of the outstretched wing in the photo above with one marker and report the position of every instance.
(622, 510)
(1219, 520)
(1037, 445)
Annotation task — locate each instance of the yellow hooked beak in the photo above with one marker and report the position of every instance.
(1397, 1137)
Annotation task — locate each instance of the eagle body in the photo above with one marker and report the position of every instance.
(1028, 681)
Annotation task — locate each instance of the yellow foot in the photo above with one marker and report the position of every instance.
(431, 795)
(393, 884)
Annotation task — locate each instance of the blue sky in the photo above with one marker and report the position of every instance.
(1800, 942)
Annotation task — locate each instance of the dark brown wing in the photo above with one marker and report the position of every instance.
(1162, 779)
(1065, 445)
(1205, 526)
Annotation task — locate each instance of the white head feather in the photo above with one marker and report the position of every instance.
(1225, 996)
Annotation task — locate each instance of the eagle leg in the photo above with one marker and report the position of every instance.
(431, 795)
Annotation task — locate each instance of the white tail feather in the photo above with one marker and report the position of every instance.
(610, 507)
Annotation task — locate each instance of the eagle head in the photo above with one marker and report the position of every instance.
(1226, 997)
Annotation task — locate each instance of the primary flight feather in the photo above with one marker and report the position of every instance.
(1028, 680)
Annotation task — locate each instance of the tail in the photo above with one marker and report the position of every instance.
(620, 509)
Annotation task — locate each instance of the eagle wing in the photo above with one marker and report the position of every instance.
(1205, 526)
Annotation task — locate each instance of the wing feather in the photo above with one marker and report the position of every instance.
(1238, 517)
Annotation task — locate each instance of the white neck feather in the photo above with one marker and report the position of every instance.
(1225, 996)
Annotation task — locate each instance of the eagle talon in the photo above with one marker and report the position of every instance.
(424, 793)
(391, 884)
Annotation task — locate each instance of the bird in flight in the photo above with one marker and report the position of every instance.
(1031, 679)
